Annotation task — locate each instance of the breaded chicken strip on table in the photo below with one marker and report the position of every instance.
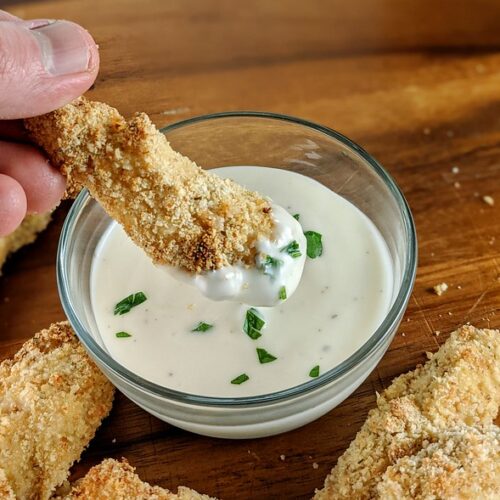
(114, 480)
(52, 400)
(441, 414)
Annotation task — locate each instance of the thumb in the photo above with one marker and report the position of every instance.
(43, 66)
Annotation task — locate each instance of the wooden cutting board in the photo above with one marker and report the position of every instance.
(418, 86)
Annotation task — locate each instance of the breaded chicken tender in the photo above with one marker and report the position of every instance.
(26, 233)
(178, 213)
(114, 480)
(457, 388)
(52, 400)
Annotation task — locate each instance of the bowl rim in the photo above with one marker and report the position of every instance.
(360, 355)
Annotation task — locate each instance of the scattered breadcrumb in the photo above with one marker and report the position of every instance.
(437, 333)
(178, 213)
(114, 480)
(489, 200)
(455, 170)
(431, 434)
(457, 184)
(52, 400)
(440, 289)
(282, 458)
(315, 465)
(26, 233)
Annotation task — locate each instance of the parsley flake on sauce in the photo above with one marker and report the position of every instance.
(129, 302)
(282, 294)
(314, 372)
(202, 327)
(292, 249)
(269, 264)
(240, 379)
(123, 335)
(253, 324)
(314, 244)
(264, 356)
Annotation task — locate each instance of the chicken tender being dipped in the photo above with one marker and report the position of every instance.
(219, 234)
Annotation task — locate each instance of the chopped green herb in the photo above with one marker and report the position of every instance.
(253, 324)
(127, 303)
(202, 327)
(123, 335)
(314, 372)
(282, 293)
(264, 356)
(269, 264)
(240, 379)
(314, 245)
(292, 249)
(296, 216)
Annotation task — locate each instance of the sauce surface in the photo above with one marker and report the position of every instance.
(342, 298)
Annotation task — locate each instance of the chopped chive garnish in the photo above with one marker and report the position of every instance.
(282, 293)
(314, 244)
(269, 264)
(314, 372)
(123, 335)
(240, 379)
(253, 324)
(296, 216)
(127, 303)
(202, 327)
(264, 356)
(292, 249)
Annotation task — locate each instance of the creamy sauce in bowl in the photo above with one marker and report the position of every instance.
(342, 298)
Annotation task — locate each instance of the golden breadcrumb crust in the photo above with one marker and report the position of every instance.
(114, 480)
(52, 400)
(6, 492)
(178, 213)
(461, 463)
(457, 388)
(26, 233)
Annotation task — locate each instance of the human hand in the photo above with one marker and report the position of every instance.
(44, 64)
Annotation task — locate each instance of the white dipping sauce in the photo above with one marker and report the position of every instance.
(342, 298)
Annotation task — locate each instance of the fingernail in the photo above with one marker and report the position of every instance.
(64, 47)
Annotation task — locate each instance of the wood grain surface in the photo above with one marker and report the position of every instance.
(417, 83)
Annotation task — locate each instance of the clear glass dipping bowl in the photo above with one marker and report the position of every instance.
(267, 140)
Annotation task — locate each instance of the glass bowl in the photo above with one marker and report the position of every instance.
(269, 140)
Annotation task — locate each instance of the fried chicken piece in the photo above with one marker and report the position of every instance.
(26, 233)
(462, 463)
(458, 386)
(114, 480)
(52, 400)
(178, 213)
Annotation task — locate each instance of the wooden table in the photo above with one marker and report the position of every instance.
(417, 85)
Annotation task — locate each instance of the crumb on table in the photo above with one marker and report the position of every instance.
(440, 288)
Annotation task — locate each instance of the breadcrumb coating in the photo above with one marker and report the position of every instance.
(52, 400)
(178, 213)
(6, 492)
(462, 463)
(457, 388)
(26, 233)
(114, 480)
